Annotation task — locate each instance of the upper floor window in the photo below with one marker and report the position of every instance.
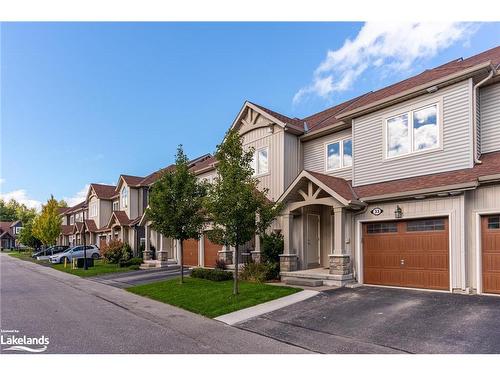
(93, 210)
(124, 197)
(413, 131)
(18, 230)
(116, 206)
(260, 162)
(339, 154)
(72, 219)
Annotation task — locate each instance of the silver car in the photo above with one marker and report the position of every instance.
(92, 251)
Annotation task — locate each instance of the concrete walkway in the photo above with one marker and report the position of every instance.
(264, 308)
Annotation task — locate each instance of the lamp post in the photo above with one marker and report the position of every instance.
(84, 241)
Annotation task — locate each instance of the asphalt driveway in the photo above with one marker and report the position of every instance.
(383, 320)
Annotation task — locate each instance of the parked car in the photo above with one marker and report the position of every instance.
(75, 253)
(46, 253)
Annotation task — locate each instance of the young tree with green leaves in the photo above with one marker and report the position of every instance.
(237, 209)
(176, 203)
(27, 238)
(47, 225)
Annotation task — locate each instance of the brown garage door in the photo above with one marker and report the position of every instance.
(211, 251)
(410, 253)
(490, 244)
(190, 252)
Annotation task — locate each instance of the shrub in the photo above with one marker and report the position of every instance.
(112, 252)
(126, 252)
(272, 247)
(260, 272)
(213, 275)
(130, 262)
(220, 264)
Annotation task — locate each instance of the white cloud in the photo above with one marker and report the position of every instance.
(390, 47)
(2, 181)
(78, 197)
(21, 196)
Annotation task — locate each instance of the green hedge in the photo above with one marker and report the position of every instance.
(130, 262)
(213, 275)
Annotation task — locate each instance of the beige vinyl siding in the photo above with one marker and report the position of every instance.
(484, 200)
(292, 158)
(314, 152)
(207, 175)
(260, 138)
(133, 205)
(489, 104)
(451, 207)
(456, 153)
(105, 208)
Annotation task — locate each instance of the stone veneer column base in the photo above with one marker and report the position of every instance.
(288, 262)
(226, 256)
(256, 256)
(147, 255)
(162, 256)
(340, 265)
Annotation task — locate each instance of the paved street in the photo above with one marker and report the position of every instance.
(83, 316)
(386, 320)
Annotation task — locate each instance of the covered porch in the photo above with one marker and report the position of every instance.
(159, 251)
(317, 228)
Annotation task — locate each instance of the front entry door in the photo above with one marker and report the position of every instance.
(313, 244)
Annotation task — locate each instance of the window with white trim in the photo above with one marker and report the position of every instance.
(339, 154)
(413, 131)
(124, 197)
(260, 161)
(93, 209)
(116, 206)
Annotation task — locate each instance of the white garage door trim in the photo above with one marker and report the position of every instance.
(451, 230)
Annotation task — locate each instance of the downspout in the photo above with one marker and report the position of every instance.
(474, 109)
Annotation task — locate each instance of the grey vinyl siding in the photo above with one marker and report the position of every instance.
(105, 210)
(484, 200)
(314, 154)
(490, 118)
(456, 153)
(478, 126)
(292, 158)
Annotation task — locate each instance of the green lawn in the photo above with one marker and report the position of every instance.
(100, 268)
(211, 298)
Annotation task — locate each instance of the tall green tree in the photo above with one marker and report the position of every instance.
(237, 209)
(27, 238)
(47, 225)
(13, 210)
(176, 203)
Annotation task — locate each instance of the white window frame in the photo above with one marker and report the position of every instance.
(117, 206)
(409, 110)
(257, 173)
(93, 210)
(340, 141)
(124, 197)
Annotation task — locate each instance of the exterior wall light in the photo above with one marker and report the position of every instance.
(398, 213)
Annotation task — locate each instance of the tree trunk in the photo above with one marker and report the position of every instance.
(181, 255)
(236, 257)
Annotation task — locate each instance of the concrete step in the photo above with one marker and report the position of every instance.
(303, 281)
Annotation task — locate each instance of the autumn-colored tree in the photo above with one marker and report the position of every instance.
(47, 225)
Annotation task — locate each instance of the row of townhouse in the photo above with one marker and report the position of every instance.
(399, 187)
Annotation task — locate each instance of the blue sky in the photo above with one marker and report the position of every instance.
(84, 102)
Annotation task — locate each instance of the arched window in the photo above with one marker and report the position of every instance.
(124, 197)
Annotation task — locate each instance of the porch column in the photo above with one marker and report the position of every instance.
(146, 255)
(256, 250)
(288, 260)
(340, 261)
(162, 254)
